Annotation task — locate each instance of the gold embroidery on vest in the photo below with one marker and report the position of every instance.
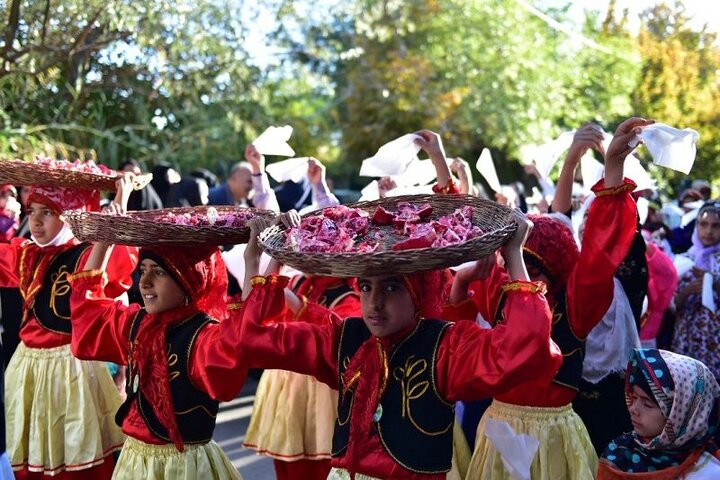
(60, 288)
(172, 359)
(412, 390)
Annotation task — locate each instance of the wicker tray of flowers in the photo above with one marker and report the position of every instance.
(61, 173)
(178, 226)
(403, 234)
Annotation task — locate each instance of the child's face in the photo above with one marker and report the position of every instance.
(708, 228)
(158, 289)
(43, 222)
(647, 418)
(387, 307)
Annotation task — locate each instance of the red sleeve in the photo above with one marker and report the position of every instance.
(449, 188)
(100, 325)
(118, 273)
(475, 363)
(311, 312)
(9, 254)
(297, 346)
(218, 365)
(483, 297)
(609, 231)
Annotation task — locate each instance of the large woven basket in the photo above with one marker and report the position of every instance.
(493, 218)
(142, 228)
(20, 172)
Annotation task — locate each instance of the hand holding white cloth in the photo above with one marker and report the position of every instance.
(293, 169)
(517, 451)
(393, 158)
(273, 141)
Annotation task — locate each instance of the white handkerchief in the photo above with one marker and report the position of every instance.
(592, 171)
(410, 190)
(545, 156)
(370, 192)
(293, 169)
(708, 300)
(671, 147)
(419, 172)
(642, 207)
(487, 169)
(392, 158)
(517, 451)
(273, 141)
(635, 172)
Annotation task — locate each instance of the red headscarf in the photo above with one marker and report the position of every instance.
(60, 199)
(552, 248)
(201, 273)
(429, 291)
(36, 259)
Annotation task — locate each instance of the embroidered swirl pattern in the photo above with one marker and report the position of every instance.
(412, 389)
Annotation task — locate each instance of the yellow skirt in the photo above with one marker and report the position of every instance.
(293, 417)
(60, 411)
(565, 451)
(140, 460)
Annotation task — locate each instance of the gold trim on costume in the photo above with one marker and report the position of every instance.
(196, 407)
(85, 274)
(625, 187)
(525, 286)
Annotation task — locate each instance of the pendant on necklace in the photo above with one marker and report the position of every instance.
(378, 413)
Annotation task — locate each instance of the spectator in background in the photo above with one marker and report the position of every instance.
(9, 212)
(165, 180)
(294, 196)
(681, 236)
(247, 185)
(704, 187)
(193, 192)
(145, 199)
(697, 331)
(210, 178)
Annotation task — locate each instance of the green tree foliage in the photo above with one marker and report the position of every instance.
(182, 82)
(680, 83)
(466, 70)
(151, 80)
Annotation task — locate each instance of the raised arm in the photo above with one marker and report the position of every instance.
(431, 143)
(587, 137)
(100, 325)
(609, 232)
(263, 196)
(476, 363)
(322, 197)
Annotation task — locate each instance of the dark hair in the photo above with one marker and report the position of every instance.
(131, 161)
(711, 206)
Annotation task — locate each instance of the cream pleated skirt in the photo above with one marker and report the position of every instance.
(140, 460)
(60, 411)
(293, 417)
(565, 450)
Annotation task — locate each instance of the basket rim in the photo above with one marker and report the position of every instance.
(149, 231)
(441, 254)
(29, 173)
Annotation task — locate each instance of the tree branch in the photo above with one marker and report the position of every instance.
(11, 30)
